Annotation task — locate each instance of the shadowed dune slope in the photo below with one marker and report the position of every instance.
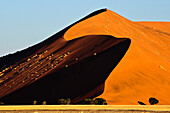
(75, 69)
(144, 71)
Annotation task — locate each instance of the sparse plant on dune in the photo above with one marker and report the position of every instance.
(141, 103)
(44, 103)
(34, 102)
(63, 101)
(153, 101)
(97, 101)
(100, 101)
(88, 101)
(68, 101)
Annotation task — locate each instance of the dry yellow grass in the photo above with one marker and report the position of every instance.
(86, 108)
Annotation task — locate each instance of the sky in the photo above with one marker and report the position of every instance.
(24, 23)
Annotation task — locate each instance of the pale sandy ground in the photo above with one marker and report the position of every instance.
(85, 109)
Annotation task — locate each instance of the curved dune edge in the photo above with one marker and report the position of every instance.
(64, 69)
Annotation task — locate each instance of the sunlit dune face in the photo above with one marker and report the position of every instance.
(144, 71)
(159, 26)
(107, 22)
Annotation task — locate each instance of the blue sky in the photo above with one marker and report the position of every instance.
(26, 22)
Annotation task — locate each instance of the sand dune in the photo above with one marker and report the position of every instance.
(65, 69)
(60, 68)
(145, 69)
(142, 73)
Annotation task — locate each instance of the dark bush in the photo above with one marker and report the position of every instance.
(141, 103)
(100, 101)
(153, 101)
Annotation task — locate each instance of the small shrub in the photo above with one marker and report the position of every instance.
(68, 101)
(153, 101)
(34, 102)
(88, 101)
(63, 101)
(44, 103)
(100, 101)
(141, 103)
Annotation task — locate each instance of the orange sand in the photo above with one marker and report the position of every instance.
(161, 26)
(145, 69)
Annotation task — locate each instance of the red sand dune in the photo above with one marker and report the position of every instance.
(60, 68)
(65, 69)
(145, 69)
(143, 72)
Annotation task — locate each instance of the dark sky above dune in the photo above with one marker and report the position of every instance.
(25, 23)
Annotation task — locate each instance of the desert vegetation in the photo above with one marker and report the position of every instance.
(67, 101)
(152, 101)
(63, 101)
(100, 101)
(97, 101)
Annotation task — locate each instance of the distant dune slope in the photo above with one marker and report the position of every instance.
(161, 26)
(144, 71)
